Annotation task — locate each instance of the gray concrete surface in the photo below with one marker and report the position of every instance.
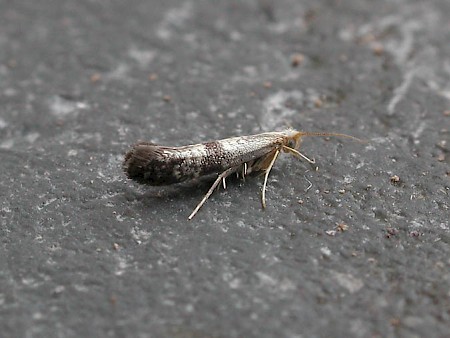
(85, 253)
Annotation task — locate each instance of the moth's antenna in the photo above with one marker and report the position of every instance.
(308, 133)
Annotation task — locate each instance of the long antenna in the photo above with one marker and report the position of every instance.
(307, 133)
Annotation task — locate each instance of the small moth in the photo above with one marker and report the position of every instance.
(152, 164)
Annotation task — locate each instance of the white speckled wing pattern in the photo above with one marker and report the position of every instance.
(239, 150)
(158, 165)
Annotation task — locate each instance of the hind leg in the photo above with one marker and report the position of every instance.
(219, 179)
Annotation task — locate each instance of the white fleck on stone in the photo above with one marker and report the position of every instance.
(143, 57)
(348, 282)
(325, 251)
(3, 123)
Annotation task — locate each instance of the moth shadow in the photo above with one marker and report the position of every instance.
(190, 192)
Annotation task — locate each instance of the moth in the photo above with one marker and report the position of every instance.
(156, 165)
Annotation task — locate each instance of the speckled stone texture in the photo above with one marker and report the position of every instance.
(364, 252)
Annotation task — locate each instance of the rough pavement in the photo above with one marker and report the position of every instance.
(363, 253)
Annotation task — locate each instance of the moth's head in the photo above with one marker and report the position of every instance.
(292, 138)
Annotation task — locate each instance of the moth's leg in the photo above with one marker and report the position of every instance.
(244, 170)
(219, 179)
(224, 183)
(299, 154)
(263, 195)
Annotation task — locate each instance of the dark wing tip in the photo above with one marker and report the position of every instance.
(136, 160)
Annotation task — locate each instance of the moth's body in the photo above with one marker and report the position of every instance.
(159, 165)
